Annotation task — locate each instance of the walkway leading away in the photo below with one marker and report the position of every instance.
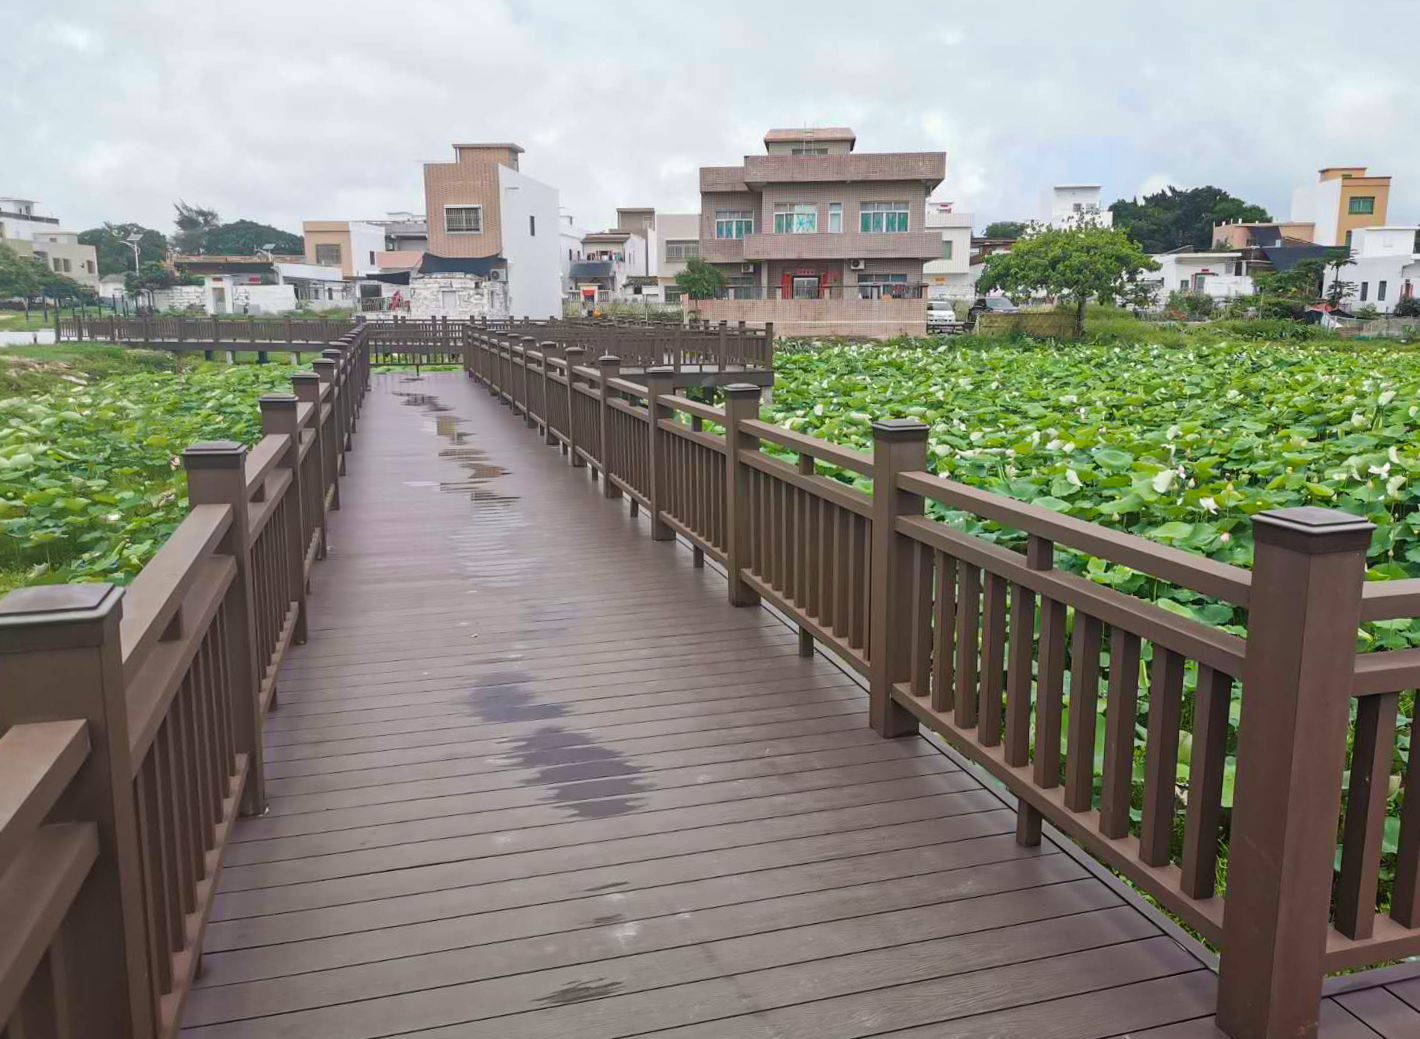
(533, 776)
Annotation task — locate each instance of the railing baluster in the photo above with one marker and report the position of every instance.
(1121, 716)
(1084, 706)
(993, 661)
(1211, 700)
(1372, 750)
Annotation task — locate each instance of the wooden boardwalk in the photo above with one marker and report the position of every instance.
(533, 776)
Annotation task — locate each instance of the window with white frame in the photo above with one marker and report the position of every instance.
(808, 150)
(795, 218)
(463, 219)
(882, 217)
(835, 217)
(685, 249)
(876, 286)
(946, 248)
(328, 255)
(734, 223)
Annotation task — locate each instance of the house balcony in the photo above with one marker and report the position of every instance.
(911, 245)
(928, 167)
(722, 250)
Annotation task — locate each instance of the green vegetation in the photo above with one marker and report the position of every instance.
(91, 478)
(25, 277)
(115, 255)
(1178, 444)
(700, 280)
(1006, 229)
(1177, 217)
(1076, 265)
(200, 230)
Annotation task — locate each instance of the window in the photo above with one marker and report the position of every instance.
(1365, 287)
(795, 218)
(1361, 205)
(532, 226)
(372, 257)
(946, 248)
(875, 217)
(679, 251)
(807, 150)
(58, 266)
(672, 293)
(68, 266)
(463, 219)
(328, 255)
(877, 286)
(1182, 284)
(1348, 239)
(1238, 269)
(734, 223)
(835, 217)
(1380, 292)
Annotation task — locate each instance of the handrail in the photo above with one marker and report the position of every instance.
(1187, 569)
(691, 407)
(262, 459)
(1389, 600)
(37, 761)
(859, 462)
(155, 594)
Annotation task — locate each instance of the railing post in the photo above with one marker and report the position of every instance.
(344, 412)
(330, 435)
(574, 360)
(550, 351)
(768, 357)
(899, 446)
(60, 657)
(720, 345)
(307, 388)
(528, 343)
(217, 475)
(741, 405)
(1308, 568)
(609, 367)
(278, 417)
(660, 381)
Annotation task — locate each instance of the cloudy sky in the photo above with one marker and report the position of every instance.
(309, 109)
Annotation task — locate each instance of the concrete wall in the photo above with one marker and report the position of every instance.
(1320, 204)
(531, 248)
(63, 255)
(456, 296)
(674, 227)
(181, 297)
(868, 319)
(263, 299)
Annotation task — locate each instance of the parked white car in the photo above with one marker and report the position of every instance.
(941, 316)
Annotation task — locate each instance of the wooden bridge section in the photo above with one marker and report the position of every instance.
(523, 761)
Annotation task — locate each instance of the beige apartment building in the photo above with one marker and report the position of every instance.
(821, 236)
(1343, 200)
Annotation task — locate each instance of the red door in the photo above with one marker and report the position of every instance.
(786, 288)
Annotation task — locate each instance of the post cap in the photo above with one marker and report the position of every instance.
(528, 339)
(1312, 530)
(332, 353)
(660, 369)
(576, 349)
(607, 360)
(277, 400)
(304, 376)
(741, 390)
(547, 344)
(215, 454)
(73, 615)
(899, 429)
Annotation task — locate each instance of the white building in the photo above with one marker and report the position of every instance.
(1070, 205)
(677, 242)
(569, 247)
(531, 245)
(950, 277)
(1387, 267)
(1220, 275)
(610, 260)
(39, 236)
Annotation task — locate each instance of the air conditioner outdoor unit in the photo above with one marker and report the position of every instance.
(496, 275)
(857, 265)
(746, 268)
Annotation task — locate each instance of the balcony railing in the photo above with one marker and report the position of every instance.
(880, 290)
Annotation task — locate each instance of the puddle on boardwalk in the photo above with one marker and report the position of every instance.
(580, 991)
(589, 780)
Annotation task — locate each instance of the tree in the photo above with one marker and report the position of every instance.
(21, 277)
(245, 237)
(1177, 217)
(1075, 265)
(115, 255)
(1408, 307)
(1339, 290)
(699, 280)
(1286, 293)
(153, 276)
(1006, 229)
(194, 223)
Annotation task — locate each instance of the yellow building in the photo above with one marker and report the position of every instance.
(1343, 199)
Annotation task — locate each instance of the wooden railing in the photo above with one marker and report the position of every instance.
(132, 720)
(401, 340)
(1008, 657)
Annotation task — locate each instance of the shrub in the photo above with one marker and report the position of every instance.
(1195, 306)
(1366, 312)
(1266, 328)
(1408, 307)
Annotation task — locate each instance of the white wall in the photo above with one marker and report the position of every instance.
(1060, 206)
(1384, 241)
(1217, 268)
(263, 299)
(453, 296)
(569, 247)
(674, 227)
(365, 239)
(307, 272)
(1319, 203)
(534, 273)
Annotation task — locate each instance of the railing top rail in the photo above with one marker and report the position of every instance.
(37, 760)
(859, 462)
(1201, 574)
(263, 458)
(1388, 600)
(691, 407)
(626, 386)
(157, 592)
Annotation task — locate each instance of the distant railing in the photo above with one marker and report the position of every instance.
(132, 723)
(975, 641)
(808, 294)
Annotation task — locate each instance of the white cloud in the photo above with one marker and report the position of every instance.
(1156, 182)
(329, 112)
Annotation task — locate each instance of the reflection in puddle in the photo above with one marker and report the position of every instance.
(579, 991)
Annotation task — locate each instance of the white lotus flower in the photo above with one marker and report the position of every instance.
(1225, 537)
(1069, 398)
(1163, 480)
(1073, 478)
(1385, 398)
(1379, 470)
(1357, 419)
(1393, 454)
(1208, 505)
(1393, 485)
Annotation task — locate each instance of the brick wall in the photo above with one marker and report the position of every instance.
(723, 250)
(868, 319)
(857, 166)
(472, 180)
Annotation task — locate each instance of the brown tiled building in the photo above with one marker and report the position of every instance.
(814, 219)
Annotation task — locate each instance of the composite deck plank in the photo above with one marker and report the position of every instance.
(532, 775)
(1383, 1012)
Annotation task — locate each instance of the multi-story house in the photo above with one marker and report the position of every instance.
(677, 243)
(1387, 267)
(35, 235)
(569, 248)
(351, 245)
(1071, 205)
(949, 276)
(1342, 200)
(489, 222)
(819, 238)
